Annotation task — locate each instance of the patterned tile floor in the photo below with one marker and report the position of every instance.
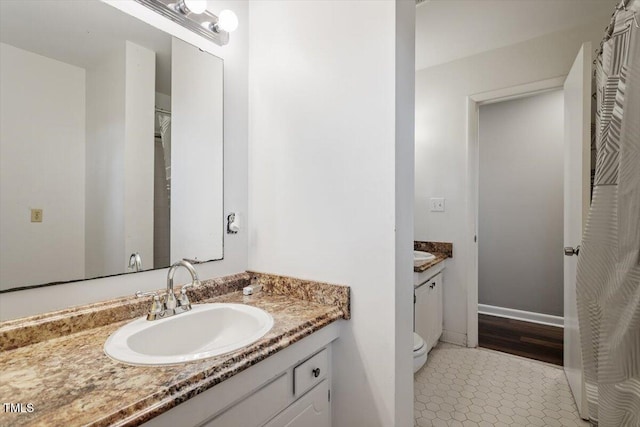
(459, 386)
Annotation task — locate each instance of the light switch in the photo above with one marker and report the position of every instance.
(436, 204)
(36, 215)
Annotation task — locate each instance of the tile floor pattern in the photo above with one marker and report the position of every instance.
(460, 386)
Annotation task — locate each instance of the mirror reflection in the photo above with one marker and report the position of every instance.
(110, 145)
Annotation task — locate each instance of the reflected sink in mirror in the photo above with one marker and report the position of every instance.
(420, 257)
(207, 330)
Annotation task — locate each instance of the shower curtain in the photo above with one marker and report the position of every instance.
(608, 280)
(164, 122)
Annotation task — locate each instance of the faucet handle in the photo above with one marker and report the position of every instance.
(141, 294)
(156, 306)
(183, 300)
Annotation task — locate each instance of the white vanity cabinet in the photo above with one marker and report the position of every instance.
(298, 397)
(428, 311)
(290, 388)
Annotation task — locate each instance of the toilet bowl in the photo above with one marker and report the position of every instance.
(419, 352)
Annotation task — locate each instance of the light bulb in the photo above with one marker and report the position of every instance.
(196, 6)
(228, 21)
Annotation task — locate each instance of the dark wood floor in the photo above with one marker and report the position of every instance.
(532, 340)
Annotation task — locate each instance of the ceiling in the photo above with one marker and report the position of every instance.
(81, 33)
(451, 29)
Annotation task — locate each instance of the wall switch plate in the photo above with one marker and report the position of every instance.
(36, 215)
(436, 204)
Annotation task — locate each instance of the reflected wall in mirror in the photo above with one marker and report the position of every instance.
(113, 129)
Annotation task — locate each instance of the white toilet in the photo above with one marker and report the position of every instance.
(419, 352)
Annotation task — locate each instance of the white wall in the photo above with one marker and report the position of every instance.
(404, 176)
(323, 180)
(119, 156)
(520, 210)
(441, 142)
(140, 70)
(196, 133)
(104, 209)
(235, 56)
(41, 166)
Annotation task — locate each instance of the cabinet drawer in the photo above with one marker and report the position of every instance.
(310, 373)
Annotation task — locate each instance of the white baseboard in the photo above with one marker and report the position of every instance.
(454, 338)
(526, 316)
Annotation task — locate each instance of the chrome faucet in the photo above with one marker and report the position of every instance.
(182, 304)
(135, 262)
(170, 305)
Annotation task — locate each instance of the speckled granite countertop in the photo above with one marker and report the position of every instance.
(70, 381)
(428, 264)
(441, 250)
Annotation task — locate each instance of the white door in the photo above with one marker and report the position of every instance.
(577, 171)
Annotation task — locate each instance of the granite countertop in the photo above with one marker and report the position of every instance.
(440, 257)
(70, 381)
(442, 251)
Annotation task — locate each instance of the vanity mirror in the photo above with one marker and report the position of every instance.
(111, 145)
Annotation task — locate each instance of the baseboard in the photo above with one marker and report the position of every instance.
(454, 338)
(526, 316)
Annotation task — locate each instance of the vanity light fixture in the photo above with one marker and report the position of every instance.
(194, 16)
(228, 20)
(195, 6)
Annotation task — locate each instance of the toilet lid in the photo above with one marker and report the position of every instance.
(418, 342)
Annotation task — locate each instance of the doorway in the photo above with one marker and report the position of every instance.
(520, 225)
(474, 102)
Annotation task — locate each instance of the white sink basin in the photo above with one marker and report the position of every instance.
(205, 331)
(420, 257)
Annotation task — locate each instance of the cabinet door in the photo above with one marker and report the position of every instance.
(432, 315)
(421, 312)
(434, 311)
(311, 410)
(439, 318)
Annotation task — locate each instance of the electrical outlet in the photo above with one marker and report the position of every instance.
(436, 204)
(36, 215)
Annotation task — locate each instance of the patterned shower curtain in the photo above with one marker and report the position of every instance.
(608, 281)
(164, 122)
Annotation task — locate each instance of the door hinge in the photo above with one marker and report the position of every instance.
(329, 395)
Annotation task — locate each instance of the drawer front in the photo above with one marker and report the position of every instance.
(310, 373)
